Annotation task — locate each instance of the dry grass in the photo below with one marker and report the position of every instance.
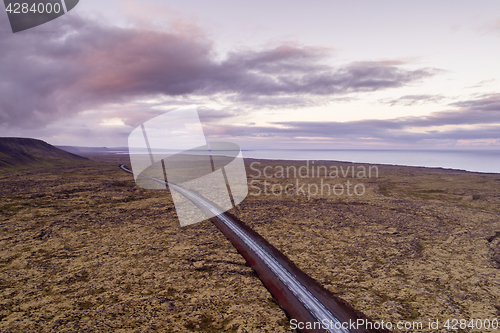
(420, 244)
(84, 249)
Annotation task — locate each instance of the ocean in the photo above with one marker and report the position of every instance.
(487, 161)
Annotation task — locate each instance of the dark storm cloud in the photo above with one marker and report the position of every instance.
(82, 65)
(291, 70)
(483, 113)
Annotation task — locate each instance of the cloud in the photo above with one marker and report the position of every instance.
(210, 115)
(85, 65)
(410, 100)
(477, 119)
(487, 102)
(482, 83)
(290, 71)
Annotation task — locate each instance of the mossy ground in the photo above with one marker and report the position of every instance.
(84, 249)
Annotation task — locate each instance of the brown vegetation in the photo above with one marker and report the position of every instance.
(84, 249)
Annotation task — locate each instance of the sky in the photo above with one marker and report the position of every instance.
(288, 74)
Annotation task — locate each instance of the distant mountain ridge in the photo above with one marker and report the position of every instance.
(79, 150)
(26, 152)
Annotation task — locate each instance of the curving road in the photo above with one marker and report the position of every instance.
(314, 306)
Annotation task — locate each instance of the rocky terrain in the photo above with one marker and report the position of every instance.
(84, 249)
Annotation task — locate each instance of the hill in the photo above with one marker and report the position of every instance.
(26, 153)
